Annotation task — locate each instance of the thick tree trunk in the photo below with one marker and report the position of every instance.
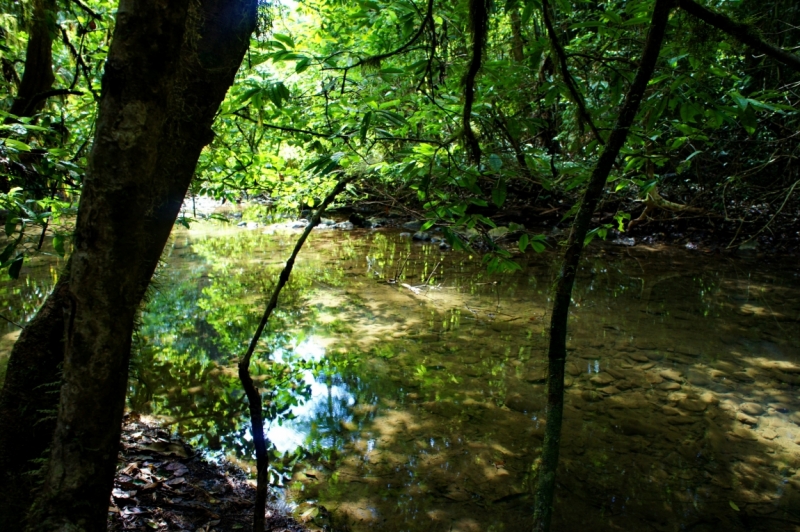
(168, 69)
(557, 353)
(38, 76)
(28, 405)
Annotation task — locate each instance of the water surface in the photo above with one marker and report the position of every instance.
(415, 381)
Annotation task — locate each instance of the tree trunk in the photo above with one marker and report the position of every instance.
(517, 42)
(557, 352)
(28, 405)
(38, 76)
(168, 69)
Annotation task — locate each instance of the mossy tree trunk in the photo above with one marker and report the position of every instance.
(168, 69)
(557, 353)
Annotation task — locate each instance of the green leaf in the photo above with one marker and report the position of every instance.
(285, 39)
(391, 71)
(302, 65)
(499, 192)
(495, 162)
(733, 505)
(524, 240)
(16, 266)
(365, 125)
(17, 145)
(58, 244)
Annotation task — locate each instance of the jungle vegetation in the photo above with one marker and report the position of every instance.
(472, 115)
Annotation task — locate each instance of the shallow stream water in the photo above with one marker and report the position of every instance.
(424, 380)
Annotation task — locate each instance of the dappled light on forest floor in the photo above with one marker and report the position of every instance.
(424, 409)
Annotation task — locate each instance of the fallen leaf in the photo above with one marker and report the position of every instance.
(175, 481)
(309, 514)
(168, 448)
(122, 494)
(133, 511)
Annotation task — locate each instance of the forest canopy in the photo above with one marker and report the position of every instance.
(379, 90)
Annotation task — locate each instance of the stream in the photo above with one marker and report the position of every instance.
(406, 385)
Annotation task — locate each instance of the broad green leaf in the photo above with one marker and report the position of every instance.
(16, 145)
(524, 240)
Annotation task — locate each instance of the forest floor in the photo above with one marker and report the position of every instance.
(163, 484)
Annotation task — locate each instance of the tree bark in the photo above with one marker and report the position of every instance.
(517, 42)
(557, 352)
(169, 67)
(38, 76)
(28, 405)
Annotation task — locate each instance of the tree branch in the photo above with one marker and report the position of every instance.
(568, 80)
(253, 396)
(744, 33)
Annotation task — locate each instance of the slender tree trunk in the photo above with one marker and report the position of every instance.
(168, 69)
(557, 352)
(517, 42)
(38, 76)
(253, 395)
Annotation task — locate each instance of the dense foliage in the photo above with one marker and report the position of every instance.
(377, 89)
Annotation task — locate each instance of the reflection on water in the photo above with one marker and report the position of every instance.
(420, 404)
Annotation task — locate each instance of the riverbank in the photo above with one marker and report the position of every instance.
(163, 484)
(693, 230)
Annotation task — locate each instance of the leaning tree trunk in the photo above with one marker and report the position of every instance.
(27, 405)
(557, 353)
(38, 76)
(168, 69)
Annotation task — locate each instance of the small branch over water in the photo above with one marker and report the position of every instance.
(253, 396)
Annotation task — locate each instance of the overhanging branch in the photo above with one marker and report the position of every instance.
(744, 33)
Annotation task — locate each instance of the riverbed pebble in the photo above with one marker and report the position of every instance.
(692, 405)
(741, 417)
(753, 409)
(671, 374)
(602, 379)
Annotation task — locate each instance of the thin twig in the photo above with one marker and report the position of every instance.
(791, 189)
(11, 322)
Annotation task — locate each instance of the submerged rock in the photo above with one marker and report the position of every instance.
(692, 405)
(753, 409)
(602, 379)
(671, 374)
(413, 225)
(741, 417)
(421, 236)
